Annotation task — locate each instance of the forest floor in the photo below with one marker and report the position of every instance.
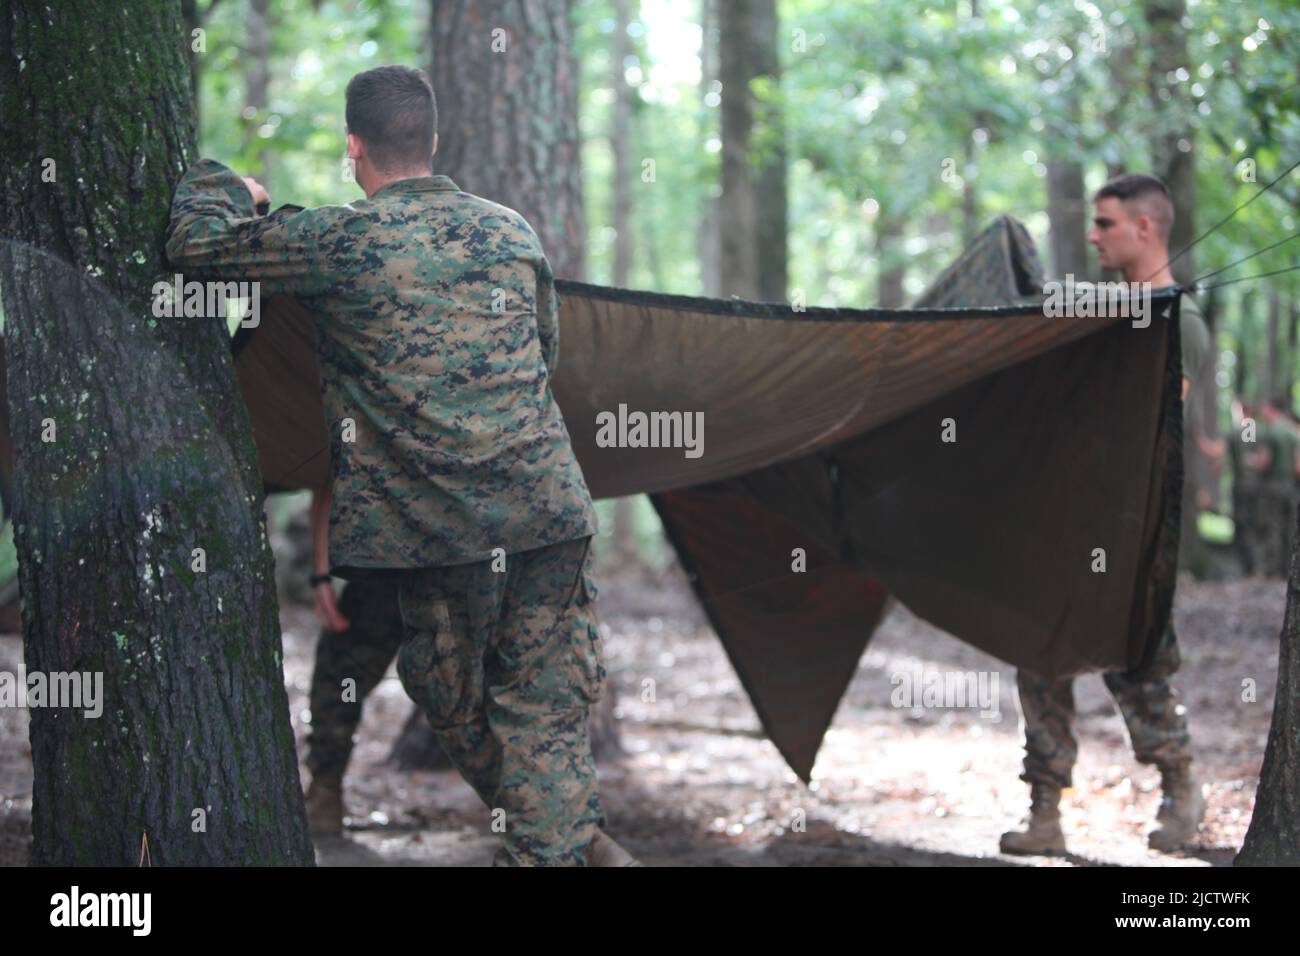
(699, 785)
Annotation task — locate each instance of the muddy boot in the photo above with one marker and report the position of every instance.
(605, 852)
(325, 805)
(1181, 809)
(1041, 834)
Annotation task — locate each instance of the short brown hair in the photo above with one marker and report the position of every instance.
(1149, 192)
(394, 112)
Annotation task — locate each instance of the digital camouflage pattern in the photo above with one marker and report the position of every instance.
(1156, 722)
(362, 653)
(437, 323)
(505, 664)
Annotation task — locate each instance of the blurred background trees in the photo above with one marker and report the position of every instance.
(833, 153)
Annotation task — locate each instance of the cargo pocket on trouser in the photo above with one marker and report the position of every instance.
(587, 651)
(428, 663)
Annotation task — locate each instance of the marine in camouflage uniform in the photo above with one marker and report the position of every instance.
(454, 477)
(361, 653)
(1277, 493)
(1156, 722)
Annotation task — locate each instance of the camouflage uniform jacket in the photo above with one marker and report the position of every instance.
(437, 324)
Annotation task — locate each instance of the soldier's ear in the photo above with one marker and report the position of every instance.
(356, 149)
(1146, 227)
(435, 145)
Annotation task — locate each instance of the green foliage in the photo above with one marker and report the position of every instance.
(891, 109)
(296, 145)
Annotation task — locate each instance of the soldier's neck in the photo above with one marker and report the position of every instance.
(372, 186)
(1153, 269)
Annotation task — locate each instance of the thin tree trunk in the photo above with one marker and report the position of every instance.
(709, 238)
(1204, 399)
(1246, 310)
(1067, 209)
(1272, 371)
(752, 209)
(258, 76)
(1067, 214)
(969, 199)
(1173, 149)
(1173, 141)
(1293, 331)
(132, 449)
(620, 140)
(770, 166)
(891, 270)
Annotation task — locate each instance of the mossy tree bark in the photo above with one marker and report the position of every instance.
(133, 449)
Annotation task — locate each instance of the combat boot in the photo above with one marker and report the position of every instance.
(1182, 807)
(1041, 834)
(604, 851)
(325, 805)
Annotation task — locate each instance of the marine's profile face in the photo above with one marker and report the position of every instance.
(1117, 232)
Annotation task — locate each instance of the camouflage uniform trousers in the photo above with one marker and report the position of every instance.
(362, 654)
(505, 665)
(1157, 723)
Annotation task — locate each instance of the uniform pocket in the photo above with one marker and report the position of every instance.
(588, 650)
(425, 625)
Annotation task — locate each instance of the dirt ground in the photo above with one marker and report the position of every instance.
(701, 786)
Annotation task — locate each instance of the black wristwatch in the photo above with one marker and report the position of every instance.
(321, 579)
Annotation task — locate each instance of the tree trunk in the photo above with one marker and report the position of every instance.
(969, 199)
(1067, 209)
(1272, 370)
(1274, 835)
(752, 209)
(620, 140)
(257, 79)
(132, 449)
(1204, 400)
(507, 91)
(1292, 333)
(192, 19)
(890, 266)
(769, 172)
(1173, 149)
(1067, 214)
(709, 237)
(1173, 141)
(1245, 317)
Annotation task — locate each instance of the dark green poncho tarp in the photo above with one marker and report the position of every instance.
(824, 436)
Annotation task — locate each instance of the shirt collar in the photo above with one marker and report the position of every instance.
(417, 184)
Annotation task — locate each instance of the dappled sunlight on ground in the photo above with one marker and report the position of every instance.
(700, 785)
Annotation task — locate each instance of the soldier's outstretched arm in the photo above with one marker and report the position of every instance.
(215, 233)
